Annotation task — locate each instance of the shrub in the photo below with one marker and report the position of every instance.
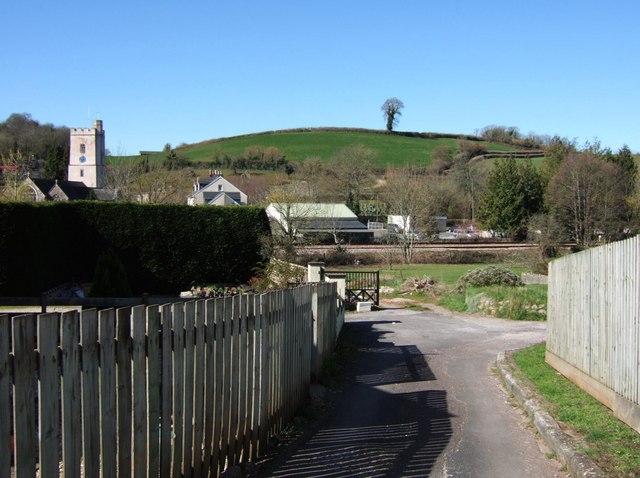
(339, 257)
(278, 275)
(470, 149)
(110, 279)
(489, 276)
(500, 134)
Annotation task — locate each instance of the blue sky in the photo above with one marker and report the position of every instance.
(168, 71)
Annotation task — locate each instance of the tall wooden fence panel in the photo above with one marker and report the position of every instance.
(594, 323)
(181, 390)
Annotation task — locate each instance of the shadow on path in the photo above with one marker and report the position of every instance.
(395, 431)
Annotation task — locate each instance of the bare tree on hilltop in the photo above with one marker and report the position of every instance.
(391, 110)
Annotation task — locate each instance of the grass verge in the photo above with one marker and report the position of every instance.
(515, 303)
(613, 445)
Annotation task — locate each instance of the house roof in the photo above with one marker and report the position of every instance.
(206, 188)
(315, 210)
(203, 181)
(211, 198)
(73, 190)
(44, 185)
(104, 194)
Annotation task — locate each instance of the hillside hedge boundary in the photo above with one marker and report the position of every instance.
(164, 248)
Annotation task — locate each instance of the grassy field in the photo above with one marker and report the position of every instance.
(444, 273)
(614, 446)
(391, 150)
(515, 303)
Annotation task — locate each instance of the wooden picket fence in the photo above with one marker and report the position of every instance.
(178, 390)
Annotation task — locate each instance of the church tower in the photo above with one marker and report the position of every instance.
(86, 156)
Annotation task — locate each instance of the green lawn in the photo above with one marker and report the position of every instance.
(614, 446)
(392, 150)
(445, 273)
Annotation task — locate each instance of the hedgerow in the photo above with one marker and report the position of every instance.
(164, 248)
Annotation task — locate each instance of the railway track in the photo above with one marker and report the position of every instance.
(468, 246)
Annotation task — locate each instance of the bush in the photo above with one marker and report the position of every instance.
(500, 134)
(278, 275)
(489, 276)
(339, 257)
(164, 248)
(110, 279)
(470, 149)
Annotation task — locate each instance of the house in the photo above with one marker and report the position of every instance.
(320, 222)
(396, 224)
(215, 190)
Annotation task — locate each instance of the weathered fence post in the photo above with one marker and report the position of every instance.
(315, 272)
(6, 440)
(24, 396)
(340, 278)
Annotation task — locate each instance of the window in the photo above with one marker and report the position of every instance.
(28, 194)
(219, 187)
(83, 148)
(82, 173)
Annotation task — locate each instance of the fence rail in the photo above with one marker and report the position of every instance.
(594, 323)
(183, 389)
(87, 302)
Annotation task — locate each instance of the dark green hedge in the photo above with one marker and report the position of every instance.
(164, 248)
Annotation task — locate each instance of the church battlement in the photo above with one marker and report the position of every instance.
(97, 127)
(82, 130)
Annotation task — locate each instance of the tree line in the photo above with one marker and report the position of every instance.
(584, 194)
(26, 142)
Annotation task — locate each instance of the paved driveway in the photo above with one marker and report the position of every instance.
(424, 402)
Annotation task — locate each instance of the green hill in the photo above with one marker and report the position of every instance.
(395, 149)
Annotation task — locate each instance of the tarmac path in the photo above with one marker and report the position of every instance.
(424, 401)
